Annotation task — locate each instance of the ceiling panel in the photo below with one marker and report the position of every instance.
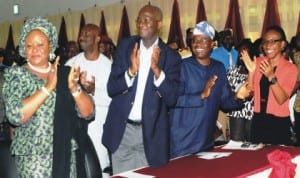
(29, 8)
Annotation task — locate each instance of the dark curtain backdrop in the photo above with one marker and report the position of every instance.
(81, 24)
(103, 31)
(201, 13)
(124, 30)
(10, 40)
(271, 15)
(298, 27)
(62, 37)
(175, 32)
(234, 21)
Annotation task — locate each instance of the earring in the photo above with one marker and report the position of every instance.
(51, 56)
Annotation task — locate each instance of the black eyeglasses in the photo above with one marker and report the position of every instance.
(145, 20)
(202, 41)
(270, 42)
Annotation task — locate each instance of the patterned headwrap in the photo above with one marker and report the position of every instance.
(204, 28)
(46, 27)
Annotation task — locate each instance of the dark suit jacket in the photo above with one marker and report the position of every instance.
(156, 102)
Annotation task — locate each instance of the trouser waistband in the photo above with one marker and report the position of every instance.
(134, 123)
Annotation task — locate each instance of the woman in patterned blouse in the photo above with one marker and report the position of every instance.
(33, 94)
(240, 119)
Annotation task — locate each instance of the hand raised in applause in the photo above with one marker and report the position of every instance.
(135, 60)
(250, 65)
(52, 76)
(154, 61)
(88, 84)
(73, 78)
(267, 69)
(208, 86)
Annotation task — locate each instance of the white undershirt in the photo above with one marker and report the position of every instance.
(145, 63)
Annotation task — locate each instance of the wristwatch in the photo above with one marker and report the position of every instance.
(273, 81)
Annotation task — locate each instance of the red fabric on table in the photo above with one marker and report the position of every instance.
(282, 166)
(239, 164)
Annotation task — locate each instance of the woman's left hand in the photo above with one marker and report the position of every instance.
(250, 65)
(267, 69)
(52, 76)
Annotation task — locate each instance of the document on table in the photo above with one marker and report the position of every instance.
(213, 155)
(131, 174)
(237, 145)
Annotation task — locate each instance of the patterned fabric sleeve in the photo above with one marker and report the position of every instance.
(236, 79)
(13, 91)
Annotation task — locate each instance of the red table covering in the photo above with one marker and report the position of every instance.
(240, 163)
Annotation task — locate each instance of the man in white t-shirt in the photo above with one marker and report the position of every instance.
(96, 69)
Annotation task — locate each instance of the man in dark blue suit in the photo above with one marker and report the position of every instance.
(143, 85)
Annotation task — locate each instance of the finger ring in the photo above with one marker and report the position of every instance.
(76, 79)
(52, 70)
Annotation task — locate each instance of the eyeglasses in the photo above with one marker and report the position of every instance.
(145, 20)
(202, 41)
(270, 42)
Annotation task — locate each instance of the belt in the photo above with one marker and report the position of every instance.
(262, 100)
(134, 123)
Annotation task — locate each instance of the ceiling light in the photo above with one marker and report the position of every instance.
(16, 9)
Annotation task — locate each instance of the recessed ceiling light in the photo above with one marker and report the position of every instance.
(16, 9)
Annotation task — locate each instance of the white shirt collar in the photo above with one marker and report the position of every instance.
(142, 46)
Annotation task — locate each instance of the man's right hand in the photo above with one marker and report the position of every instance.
(209, 84)
(135, 60)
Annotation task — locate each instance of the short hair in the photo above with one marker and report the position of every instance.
(92, 27)
(224, 33)
(244, 42)
(277, 29)
(281, 32)
(189, 30)
(157, 11)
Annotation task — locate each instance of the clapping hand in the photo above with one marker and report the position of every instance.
(266, 69)
(52, 76)
(154, 61)
(208, 86)
(73, 78)
(250, 65)
(135, 60)
(89, 85)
